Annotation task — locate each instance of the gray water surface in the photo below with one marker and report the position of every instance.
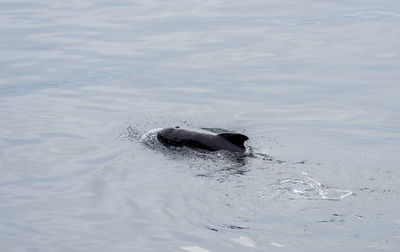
(85, 84)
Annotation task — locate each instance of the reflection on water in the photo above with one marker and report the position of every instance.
(313, 85)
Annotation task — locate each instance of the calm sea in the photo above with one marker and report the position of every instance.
(84, 85)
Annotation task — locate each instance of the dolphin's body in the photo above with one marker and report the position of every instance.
(202, 139)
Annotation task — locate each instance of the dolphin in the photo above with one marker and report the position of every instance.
(202, 139)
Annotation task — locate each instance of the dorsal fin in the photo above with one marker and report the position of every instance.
(235, 138)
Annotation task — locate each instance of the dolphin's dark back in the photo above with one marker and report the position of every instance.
(201, 139)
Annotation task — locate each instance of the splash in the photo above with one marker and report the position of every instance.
(310, 188)
(150, 138)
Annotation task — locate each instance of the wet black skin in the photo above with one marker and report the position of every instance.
(202, 139)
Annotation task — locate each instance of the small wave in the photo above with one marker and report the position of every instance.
(367, 15)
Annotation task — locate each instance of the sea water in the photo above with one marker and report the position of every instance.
(84, 86)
